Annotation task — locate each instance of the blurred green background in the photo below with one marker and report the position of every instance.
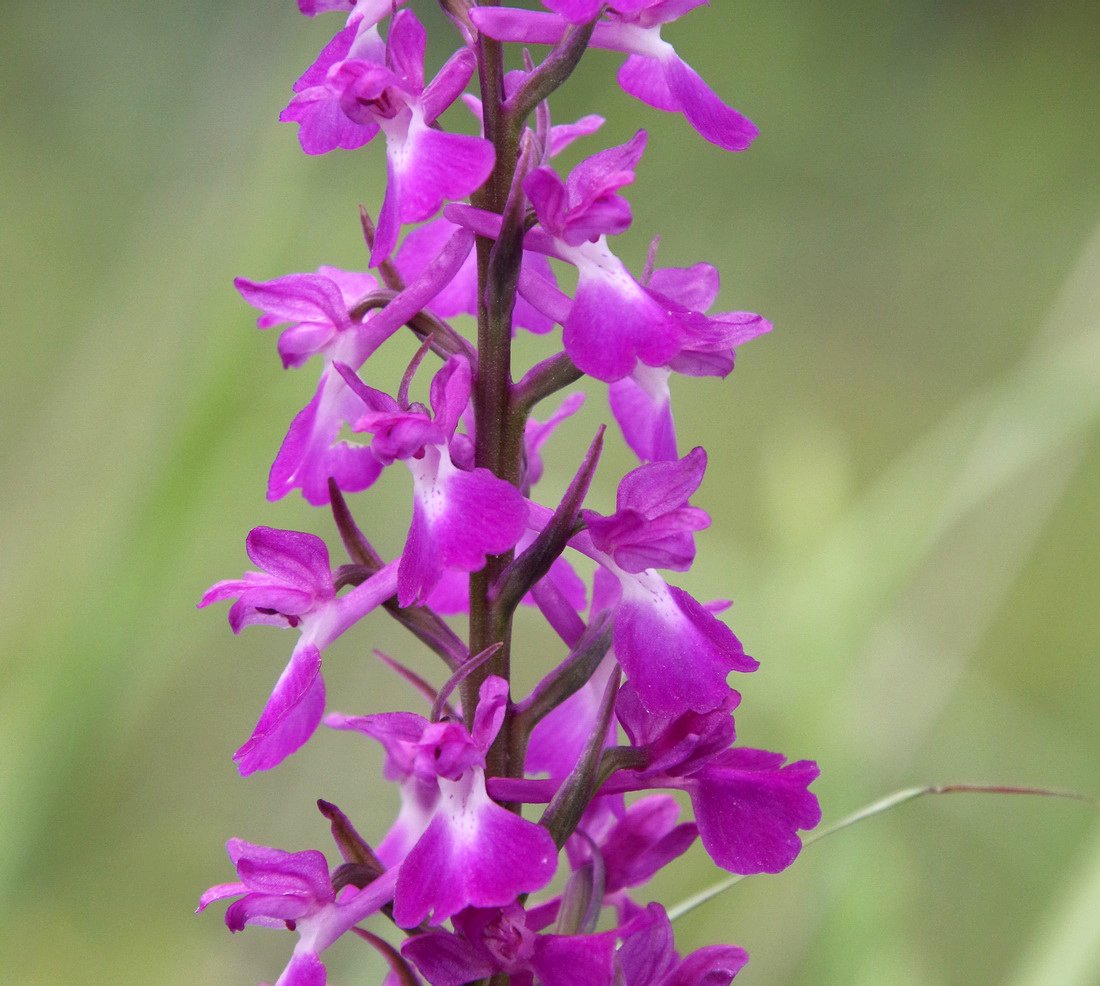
(903, 476)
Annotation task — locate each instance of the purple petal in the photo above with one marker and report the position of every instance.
(661, 487)
(308, 457)
(526, 26)
(574, 960)
(446, 87)
(615, 322)
(405, 49)
(576, 11)
(644, 841)
(433, 165)
(694, 287)
(675, 652)
(458, 519)
(447, 960)
(290, 716)
(749, 808)
(714, 965)
(474, 853)
(276, 871)
(297, 559)
(642, 405)
(296, 298)
(642, 77)
(266, 910)
(713, 119)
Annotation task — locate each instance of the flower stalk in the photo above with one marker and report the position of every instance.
(637, 698)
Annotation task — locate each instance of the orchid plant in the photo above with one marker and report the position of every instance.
(502, 793)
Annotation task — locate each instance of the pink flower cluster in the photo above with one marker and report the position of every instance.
(638, 700)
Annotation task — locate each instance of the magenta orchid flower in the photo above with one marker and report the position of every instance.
(459, 516)
(471, 852)
(293, 890)
(317, 306)
(355, 89)
(294, 589)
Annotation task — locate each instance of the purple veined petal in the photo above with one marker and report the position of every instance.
(711, 118)
(310, 866)
(301, 874)
(297, 559)
(642, 405)
(450, 393)
(296, 298)
(311, 8)
(693, 287)
(474, 853)
(219, 892)
(735, 328)
(675, 652)
(696, 364)
(405, 49)
(322, 124)
(749, 808)
(575, 11)
(491, 706)
(447, 960)
(290, 716)
(647, 954)
(661, 487)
